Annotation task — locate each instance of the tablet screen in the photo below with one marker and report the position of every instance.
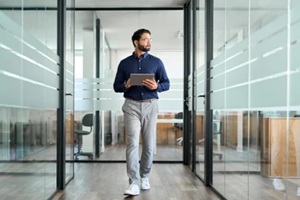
(137, 79)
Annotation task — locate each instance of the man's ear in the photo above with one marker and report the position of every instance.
(135, 43)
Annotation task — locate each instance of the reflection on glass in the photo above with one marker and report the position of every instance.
(28, 143)
(255, 97)
(29, 82)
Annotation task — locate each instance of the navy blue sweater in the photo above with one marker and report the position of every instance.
(145, 64)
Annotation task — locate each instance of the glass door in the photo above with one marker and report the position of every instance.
(69, 85)
(187, 157)
(199, 86)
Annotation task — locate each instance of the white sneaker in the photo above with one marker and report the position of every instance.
(278, 185)
(132, 190)
(298, 191)
(145, 185)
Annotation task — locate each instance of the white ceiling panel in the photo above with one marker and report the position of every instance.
(164, 26)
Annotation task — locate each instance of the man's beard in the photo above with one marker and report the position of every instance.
(143, 48)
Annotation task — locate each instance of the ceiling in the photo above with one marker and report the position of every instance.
(164, 18)
(130, 15)
(165, 27)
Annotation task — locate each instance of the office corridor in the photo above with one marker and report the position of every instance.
(107, 181)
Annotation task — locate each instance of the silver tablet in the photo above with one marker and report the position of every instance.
(137, 79)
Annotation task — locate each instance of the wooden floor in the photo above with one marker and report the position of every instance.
(107, 181)
(99, 179)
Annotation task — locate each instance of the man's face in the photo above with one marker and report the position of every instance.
(144, 44)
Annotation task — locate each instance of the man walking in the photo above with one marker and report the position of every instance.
(140, 108)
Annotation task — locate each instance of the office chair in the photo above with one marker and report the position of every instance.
(87, 120)
(179, 126)
(217, 141)
(216, 130)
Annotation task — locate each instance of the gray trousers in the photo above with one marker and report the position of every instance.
(139, 117)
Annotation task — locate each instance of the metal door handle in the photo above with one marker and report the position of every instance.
(187, 101)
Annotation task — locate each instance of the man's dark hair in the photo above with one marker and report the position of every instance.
(137, 34)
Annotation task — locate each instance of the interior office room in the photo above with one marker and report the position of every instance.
(227, 128)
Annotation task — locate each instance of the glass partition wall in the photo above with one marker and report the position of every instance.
(29, 77)
(255, 99)
(28, 104)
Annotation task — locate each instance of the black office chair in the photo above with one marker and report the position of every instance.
(179, 126)
(87, 120)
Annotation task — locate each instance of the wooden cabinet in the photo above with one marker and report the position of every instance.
(69, 128)
(199, 127)
(251, 129)
(280, 147)
(230, 132)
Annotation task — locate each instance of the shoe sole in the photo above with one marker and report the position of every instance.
(131, 194)
(145, 188)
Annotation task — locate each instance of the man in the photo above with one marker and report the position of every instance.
(140, 108)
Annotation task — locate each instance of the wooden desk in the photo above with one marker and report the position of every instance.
(165, 131)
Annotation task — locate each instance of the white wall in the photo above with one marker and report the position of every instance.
(88, 54)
